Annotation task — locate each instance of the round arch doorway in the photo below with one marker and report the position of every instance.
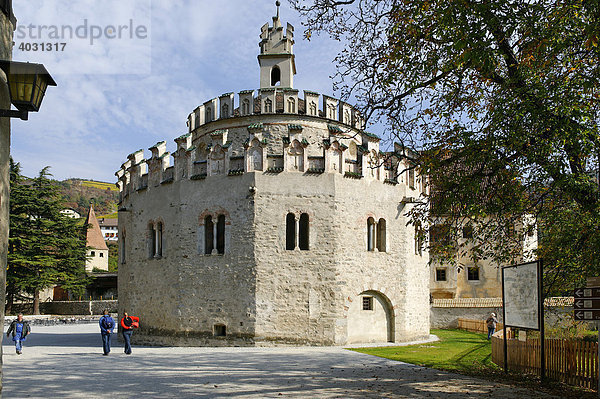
(370, 318)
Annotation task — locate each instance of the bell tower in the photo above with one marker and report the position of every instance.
(276, 59)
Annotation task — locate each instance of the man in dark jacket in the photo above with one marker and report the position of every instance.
(20, 330)
(106, 328)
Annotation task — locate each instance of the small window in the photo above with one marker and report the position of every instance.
(93, 253)
(367, 303)
(473, 273)
(440, 274)
(303, 232)
(290, 232)
(101, 254)
(221, 234)
(208, 235)
(220, 330)
(381, 244)
(370, 234)
(225, 111)
(159, 239)
(268, 106)
(467, 232)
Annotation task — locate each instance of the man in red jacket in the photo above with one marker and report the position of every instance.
(128, 323)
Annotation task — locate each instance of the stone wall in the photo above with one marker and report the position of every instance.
(260, 292)
(68, 308)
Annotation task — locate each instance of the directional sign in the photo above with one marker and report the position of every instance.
(587, 315)
(589, 292)
(587, 304)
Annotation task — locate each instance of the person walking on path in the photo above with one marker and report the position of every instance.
(106, 328)
(20, 330)
(128, 323)
(491, 324)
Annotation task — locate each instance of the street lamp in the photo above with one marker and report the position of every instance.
(27, 83)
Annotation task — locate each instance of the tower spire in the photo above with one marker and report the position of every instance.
(277, 3)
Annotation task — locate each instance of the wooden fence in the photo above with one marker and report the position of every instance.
(479, 326)
(573, 362)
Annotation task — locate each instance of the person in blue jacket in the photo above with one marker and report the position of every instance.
(20, 330)
(106, 328)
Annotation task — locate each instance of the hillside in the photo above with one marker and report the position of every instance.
(78, 194)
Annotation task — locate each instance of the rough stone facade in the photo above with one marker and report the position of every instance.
(280, 222)
(7, 26)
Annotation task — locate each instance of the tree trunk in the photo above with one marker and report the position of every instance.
(36, 302)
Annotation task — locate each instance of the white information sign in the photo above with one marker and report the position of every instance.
(521, 296)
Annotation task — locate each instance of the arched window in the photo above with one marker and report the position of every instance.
(331, 111)
(370, 234)
(221, 234)
(418, 239)
(225, 111)
(256, 156)
(246, 107)
(381, 243)
(151, 240)
(122, 251)
(208, 235)
(275, 76)
(291, 105)
(196, 119)
(208, 115)
(303, 232)
(159, 239)
(290, 232)
(313, 108)
(268, 106)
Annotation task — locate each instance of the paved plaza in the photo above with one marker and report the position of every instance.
(66, 362)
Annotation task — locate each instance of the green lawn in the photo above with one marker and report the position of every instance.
(457, 350)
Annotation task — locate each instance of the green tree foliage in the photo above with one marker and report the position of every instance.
(113, 256)
(500, 100)
(45, 247)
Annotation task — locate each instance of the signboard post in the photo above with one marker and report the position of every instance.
(586, 305)
(523, 303)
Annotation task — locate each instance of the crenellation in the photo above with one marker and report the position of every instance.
(227, 107)
(210, 110)
(330, 107)
(246, 101)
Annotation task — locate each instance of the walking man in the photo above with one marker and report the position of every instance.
(128, 323)
(20, 330)
(106, 328)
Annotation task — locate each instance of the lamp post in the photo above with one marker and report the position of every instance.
(27, 83)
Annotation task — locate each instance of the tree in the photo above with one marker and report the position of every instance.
(500, 100)
(46, 248)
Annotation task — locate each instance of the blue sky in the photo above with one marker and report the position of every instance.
(115, 97)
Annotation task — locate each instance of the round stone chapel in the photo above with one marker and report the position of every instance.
(277, 221)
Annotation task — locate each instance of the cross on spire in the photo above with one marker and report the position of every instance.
(277, 3)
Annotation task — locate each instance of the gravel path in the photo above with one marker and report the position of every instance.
(67, 362)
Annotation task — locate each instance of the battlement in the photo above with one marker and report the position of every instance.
(278, 100)
(220, 152)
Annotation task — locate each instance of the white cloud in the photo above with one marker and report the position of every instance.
(200, 49)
